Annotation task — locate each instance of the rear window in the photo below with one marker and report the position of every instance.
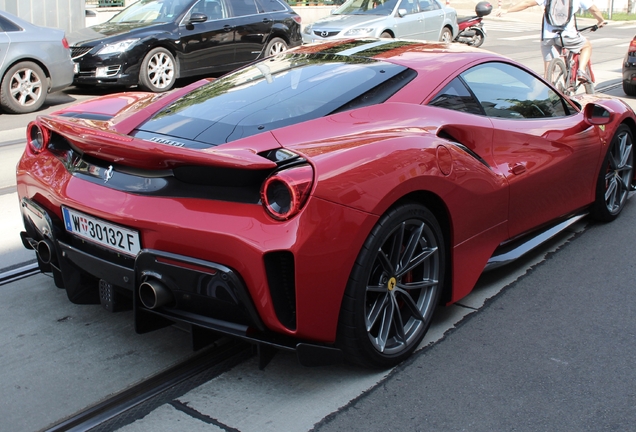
(274, 93)
(8, 26)
(265, 6)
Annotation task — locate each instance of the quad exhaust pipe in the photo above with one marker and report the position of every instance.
(154, 294)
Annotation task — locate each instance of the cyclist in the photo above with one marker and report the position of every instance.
(570, 38)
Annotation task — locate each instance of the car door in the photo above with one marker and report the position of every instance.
(5, 41)
(432, 17)
(207, 46)
(540, 143)
(252, 29)
(409, 22)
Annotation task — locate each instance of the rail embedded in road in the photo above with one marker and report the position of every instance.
(21, 271)
(138, 401)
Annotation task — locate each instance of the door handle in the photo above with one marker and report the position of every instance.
(518, 168)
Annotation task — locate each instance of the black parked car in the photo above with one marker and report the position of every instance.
(629, 69)
(153, 42)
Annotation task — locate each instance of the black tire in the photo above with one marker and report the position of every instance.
(557, 75)
(24, 88)
(158, 71)
(446, 36)
(615, 177)
(478, 39)
(393, 288)
(629, 89)
(589, 86)
(275, 46)
(386, 35)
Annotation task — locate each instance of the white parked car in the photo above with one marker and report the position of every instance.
(404, 19)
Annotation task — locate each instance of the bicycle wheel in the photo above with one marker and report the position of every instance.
(557, 75)
(589, 86)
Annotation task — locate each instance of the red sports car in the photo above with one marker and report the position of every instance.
(324, 200)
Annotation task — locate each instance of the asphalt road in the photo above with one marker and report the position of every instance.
(554, 351)
(551, 352)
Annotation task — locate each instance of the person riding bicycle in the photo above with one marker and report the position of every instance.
(569, 38)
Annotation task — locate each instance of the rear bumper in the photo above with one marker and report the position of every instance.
(209, 297)
(629, 70)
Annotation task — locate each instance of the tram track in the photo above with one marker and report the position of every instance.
(18, 272)
(165, 387)
(147, 395)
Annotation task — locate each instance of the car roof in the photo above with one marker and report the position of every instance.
(435, 62)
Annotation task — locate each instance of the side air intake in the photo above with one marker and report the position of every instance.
(280, 277)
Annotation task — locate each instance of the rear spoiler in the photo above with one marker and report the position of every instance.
(97, 139)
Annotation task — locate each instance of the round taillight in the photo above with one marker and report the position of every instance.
(37, 137)
(285, 192)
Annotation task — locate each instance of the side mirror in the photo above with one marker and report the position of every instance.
(597, 114)
(198, 17)
(402, 12)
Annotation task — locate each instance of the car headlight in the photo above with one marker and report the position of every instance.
(117, 47)
(359, 31)
(307, 30)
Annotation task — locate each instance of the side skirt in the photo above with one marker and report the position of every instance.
(510, 251)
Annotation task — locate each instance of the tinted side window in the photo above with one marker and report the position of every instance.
(8, 26)
(269, 6)
(213, 9)
(456, 96)
(244, 7)
(411, 6)
(428, 5)
(506, 91)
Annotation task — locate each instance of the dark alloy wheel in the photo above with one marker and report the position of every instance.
(615, 178)
(393, 289)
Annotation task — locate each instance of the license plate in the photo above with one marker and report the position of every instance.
(104, 233)
(76, 68)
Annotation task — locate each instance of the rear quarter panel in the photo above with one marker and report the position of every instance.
(372, 158)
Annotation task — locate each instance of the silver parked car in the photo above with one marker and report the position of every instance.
(404, 19)
(34, 61)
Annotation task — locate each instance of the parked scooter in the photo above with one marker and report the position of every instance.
(471, 29)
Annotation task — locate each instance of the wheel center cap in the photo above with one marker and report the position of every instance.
(391, 284)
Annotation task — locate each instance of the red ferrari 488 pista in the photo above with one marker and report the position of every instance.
(324, 200)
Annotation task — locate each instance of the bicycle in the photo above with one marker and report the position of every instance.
(562, 70)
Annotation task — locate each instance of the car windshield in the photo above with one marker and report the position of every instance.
(151, 11)
(278, 92)
(366, 7)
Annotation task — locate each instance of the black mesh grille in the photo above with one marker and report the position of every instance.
(280, 276)
(79, 51)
